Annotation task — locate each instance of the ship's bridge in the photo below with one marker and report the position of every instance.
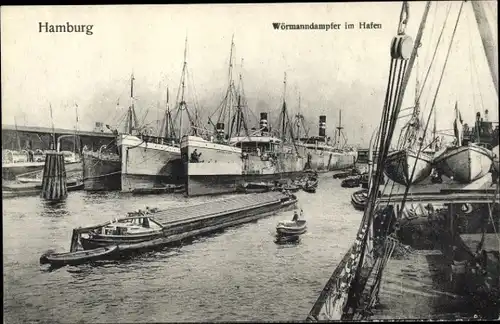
(255, 143)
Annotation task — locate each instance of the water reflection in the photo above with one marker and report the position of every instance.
(53, 208)
(287, 240)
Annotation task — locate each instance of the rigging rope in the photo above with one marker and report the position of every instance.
(398, 53)
(433, 104)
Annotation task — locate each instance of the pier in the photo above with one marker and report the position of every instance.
(37, 137)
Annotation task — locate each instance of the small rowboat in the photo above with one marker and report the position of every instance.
(291, 187)
(359, 199)
(351, 182)
(341, 175)
(78, 257)
(310, 189)
(286, 228)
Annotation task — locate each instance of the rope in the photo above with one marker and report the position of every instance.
(434, 54)
(389, 129)
(103, 175)
(433, 105)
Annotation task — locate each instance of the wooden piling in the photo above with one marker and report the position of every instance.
(54, 177)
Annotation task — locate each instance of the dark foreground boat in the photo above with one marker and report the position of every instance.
(78, 257)
(291, 228)
(457, 275)
(359, 199)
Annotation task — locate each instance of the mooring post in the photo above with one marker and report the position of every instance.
(54, 177)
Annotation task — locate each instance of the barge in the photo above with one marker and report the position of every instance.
(143, 231)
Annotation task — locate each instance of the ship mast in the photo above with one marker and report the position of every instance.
(231, 85)
(283, 112)
(76, 128)
(167, 130)
(239, 117)
(17, 134)
(298, 119)
(488, 42)
(132, 118)
(339, 129)
(182, 103)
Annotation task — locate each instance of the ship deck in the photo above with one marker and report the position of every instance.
(479, 191)
(179, 215)
(418, 287)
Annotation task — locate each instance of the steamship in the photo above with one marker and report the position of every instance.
(148, 162)
(218, 165)
(322, 155)
(234, 155)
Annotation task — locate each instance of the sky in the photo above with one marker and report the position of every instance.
(332, 70)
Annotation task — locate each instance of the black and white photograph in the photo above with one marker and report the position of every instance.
(253, 162)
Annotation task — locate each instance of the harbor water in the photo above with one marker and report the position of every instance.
(239, 274)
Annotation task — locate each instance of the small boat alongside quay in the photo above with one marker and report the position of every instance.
(351, 182)
(359, 199)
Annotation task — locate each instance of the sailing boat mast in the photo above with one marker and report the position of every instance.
(182, 103)
(231, 84)
(487, 39)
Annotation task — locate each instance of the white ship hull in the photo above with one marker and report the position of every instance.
(222, 168)
(464, 164)
(329, 160)
(147, 165)
(404, 167)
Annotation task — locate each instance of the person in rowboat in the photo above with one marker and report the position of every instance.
(296, 215)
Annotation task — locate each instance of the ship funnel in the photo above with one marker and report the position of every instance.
(219, 127)
(322, 126)
(263, 122)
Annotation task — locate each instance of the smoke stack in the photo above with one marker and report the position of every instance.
(322, 126)
(263, 122)
(219, 127)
